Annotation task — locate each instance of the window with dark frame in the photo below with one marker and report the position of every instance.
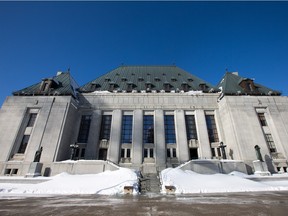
(270, 142)
(148, 153)
(105, 127)
(212, 128)
(32, 119)
(126, 134)
(170, 137)
(84, 129)
(191, 127)
(23, 144)
(262, 119)
(148, 129)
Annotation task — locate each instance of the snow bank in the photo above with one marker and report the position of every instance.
(108, 183)
(190, 182)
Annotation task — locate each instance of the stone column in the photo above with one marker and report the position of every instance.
(204, 143)
(181, 136)
(115, 137)
(92, 147)
(137, 137)
(159, 138)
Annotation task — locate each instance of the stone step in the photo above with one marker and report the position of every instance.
(150, 183)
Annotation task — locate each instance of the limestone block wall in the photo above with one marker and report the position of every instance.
(242, 128)
(47, 130)
(157, 104)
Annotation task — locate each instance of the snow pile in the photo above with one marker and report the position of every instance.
(106, 183)
(190, 182)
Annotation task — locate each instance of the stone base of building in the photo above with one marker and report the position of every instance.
(34, 170)
(215, 166)
(261, 168)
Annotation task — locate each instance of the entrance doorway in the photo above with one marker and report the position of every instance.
(102, 154)
(193, 153)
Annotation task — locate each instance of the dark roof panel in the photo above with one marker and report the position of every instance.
(141, 75)
(233, 84)
(62, 84)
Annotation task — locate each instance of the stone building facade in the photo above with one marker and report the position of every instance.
(142, 117)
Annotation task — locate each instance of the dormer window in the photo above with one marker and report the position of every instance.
(107, 79)
(94, 86)
(129, 87)
(112, 86)
(173, 79)
(123, 79)
(45, 86)
(140, 79)
(157, 79)
(148, 86)
(48, 84)
(167, 87)
(185, 86)
(203, 86)
(190, 79)
(248, 85)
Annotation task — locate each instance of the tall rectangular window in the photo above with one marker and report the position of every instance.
(23, 144)
(32, 119)
(148, 129)
(191, 127)
(212, 128)
(262, 119)
(126, 134)
(105, 127)
(170, 136)
(84, 129)
(270, 142)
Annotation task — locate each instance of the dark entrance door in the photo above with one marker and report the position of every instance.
(102, 154)
(193, 153)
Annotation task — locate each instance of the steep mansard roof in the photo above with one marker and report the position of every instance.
(61, 84)
(147, 78)
(233, 84)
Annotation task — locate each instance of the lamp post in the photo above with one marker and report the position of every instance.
(222, 147)
(73, 147)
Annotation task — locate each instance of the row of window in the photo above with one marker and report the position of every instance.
(148, 128)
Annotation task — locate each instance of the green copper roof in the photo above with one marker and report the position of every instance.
(233, 84)
(62, 84)
(147, 78)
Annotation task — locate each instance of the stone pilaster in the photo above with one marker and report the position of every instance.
(137, 137)
(91, 152)
(204, 144)
(181, 136)
(115, 137)
(160, 146)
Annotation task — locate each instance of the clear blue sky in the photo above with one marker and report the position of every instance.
(37, 39)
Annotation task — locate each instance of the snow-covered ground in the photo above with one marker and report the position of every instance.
(186, 181)
(113, 182)
(109, 182)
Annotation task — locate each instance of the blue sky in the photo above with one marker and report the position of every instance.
(37, 39)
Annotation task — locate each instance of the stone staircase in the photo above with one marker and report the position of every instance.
(150, 183)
